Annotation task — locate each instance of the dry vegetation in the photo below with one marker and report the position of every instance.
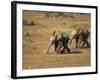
(37, 28)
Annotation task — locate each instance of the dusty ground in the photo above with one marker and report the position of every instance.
(36, 34)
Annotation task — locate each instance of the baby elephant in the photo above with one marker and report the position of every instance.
(60, 42)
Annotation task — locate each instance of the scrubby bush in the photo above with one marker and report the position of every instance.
(25, 22)
(31, 23)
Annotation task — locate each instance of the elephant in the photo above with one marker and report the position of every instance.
(81, 38)
(60, 42)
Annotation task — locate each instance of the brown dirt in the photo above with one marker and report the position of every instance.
(36, 40)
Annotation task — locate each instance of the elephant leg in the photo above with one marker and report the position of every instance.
(81, 43)
(59, 47)
(82, 46)
(66, 46)
(68, 49)
(76, 43)
(56, 45)
(63, 50)
(87, 43)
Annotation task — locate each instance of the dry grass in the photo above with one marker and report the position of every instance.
(36, 40)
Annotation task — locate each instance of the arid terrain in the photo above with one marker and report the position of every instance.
(37, 29)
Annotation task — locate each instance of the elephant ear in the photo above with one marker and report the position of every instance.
(54, 32)
(59, 36)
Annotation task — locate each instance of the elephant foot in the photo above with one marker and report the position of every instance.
(69, 51)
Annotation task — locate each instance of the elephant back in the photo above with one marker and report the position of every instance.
(61, 36)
